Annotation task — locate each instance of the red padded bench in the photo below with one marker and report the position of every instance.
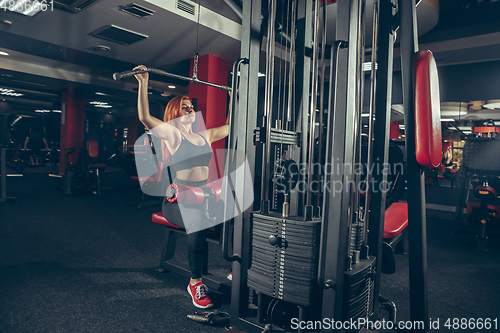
(395, 223)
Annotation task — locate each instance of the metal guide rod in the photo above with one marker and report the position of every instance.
(291, 84)
(332, 107)
(230, 166)
(313, 104)
(119, 76)
(354, 118)
(321, 101)
(268, 104)
(373, 82)
(282, 108)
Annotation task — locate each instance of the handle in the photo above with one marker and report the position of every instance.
(324, 229)
(225, 230)
(119, 76)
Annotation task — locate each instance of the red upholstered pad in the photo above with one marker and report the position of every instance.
(93, 148)
(427, 110)
(97, 165)
(396, 219)
(158, 218)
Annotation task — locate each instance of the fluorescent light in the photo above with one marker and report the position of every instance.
(4, 53)
(401, 126)
(447, 119)
(101, 104)
(364, 115)
(492, 104)
(467, 132)
(171, 87)
(9, 92)
(100, 93)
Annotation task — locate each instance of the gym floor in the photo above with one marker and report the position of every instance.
(82, 263)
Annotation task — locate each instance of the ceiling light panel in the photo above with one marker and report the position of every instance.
(137, 10)
(118, 35)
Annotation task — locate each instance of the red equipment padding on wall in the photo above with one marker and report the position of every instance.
(428, 140)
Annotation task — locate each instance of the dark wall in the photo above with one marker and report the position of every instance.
(457, 83)
(470, 82)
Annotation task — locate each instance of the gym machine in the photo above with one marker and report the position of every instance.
(306, 253)
(480, 162)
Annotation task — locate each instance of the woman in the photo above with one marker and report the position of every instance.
(189, 154)
(449, 171)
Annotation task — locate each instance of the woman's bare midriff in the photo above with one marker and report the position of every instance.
(195, 174)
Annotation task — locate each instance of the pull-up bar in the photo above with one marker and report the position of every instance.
(194, 79)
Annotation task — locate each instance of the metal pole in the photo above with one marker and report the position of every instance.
(380, 146)
(312, 113)
(373, 85)
(268, 105)
(245, 121)
(417, 240)
(317, 213)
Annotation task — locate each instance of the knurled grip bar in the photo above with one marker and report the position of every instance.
(119, 76)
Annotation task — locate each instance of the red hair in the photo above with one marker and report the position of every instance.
(172, 111)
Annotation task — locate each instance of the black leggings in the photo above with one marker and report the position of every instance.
(194, 217)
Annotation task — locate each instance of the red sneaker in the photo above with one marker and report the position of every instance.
(198, 293)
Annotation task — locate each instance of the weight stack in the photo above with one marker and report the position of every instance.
(359, 288)
(285, 253)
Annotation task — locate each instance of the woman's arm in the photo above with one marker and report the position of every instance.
(218, 133)
(159, 128)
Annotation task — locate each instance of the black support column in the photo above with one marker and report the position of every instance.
(342, 110)
(245, 121)
(415, 175)
(383, 95)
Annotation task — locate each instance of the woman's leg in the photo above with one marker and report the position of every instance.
(196, 253)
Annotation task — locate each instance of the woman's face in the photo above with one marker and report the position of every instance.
(188, 114)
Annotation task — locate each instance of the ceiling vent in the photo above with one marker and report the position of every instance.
(137, 10)
(73, 6)
(186, 6)
(118, 35)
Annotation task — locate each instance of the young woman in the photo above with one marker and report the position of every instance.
(189, 154)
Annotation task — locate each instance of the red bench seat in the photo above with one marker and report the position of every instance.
(396, 219)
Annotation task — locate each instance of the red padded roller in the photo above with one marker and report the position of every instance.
(184, 194)
(159, 218)
(215, 188)
(428, 140)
